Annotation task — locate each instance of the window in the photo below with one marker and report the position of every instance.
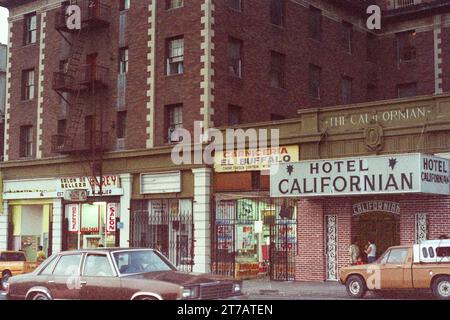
(314, 81)
(346, 89)
(64, 66)
(49, 267)
(235, 57)
(26, 141)
(68, 265)
(315, 23)
(425, 252)
(173, 4)
(61, 128)
(28, 84)
(397, 256)
(174, 120)
(347, 37)
(372, 92)
(88, 130)
(123, 60)
(407, 90)
(277, 11)
(30, 29)
(406, 46)
(371, 47)
(277, 61)
(97, 266)
(235, 4)
(121, 124)
(443, 252)
(130, 262)
(234, 115)
(175, 56)
(431, 252)
(124, 5)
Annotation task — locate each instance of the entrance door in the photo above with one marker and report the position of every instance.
(282, 250)
(382, 228)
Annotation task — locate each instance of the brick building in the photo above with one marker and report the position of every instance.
(104, 102)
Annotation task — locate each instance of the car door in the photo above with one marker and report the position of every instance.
(99, 280)
(393, 271)
(65, 280)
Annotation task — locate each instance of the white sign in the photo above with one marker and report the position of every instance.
(162, 182)
(111, 213)
(405, 173)
(74, 217)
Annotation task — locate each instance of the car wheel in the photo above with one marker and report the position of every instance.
(356, 287)
(441, 288)
(39, 296)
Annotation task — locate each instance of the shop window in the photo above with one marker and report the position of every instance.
(315, 23)
(277, 69)
(277, 12)
(406, 46)
(28, 84)
(97, 266)
(30, 29)
(26, 141)
(175, 56)
(407, 90)
(234, 115)
(68, 265)
(235, 57)
(347, 37)
(314, 81)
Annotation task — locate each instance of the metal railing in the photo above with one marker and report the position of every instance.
(64, 143)
(404, 3)
(92, 12)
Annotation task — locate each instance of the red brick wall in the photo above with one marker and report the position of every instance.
(311, 261)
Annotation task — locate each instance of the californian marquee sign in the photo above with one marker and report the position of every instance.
(404, 173)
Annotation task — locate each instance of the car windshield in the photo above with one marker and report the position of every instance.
(12, 256)
(141, 261)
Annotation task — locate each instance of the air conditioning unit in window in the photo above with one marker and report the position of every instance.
(173, 136)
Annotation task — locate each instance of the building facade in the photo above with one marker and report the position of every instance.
(89, 118)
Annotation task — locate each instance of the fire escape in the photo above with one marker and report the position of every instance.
(83, 83)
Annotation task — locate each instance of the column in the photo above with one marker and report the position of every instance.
(57, 226)
(126, 181)
(202, 227)
(4, 227)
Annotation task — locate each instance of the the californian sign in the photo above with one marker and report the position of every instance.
(254, 159)
(376, 206)
(404, 173)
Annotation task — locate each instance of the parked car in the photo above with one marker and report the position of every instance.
(13, 263)
(117, 274)
(424, 266)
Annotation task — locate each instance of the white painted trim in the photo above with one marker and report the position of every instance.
(8, 92)
(207, 58)
(151, 69)
(437, 55)
(40, 86)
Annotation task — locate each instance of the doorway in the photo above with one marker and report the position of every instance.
(381, 227)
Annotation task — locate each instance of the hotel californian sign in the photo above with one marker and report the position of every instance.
(405, 173)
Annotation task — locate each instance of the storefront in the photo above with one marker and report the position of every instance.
(65, 213)
(253, 235)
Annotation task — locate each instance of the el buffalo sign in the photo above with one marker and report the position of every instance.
(405, 173)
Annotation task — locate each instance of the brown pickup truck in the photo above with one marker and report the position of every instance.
(14, 263)
(418, 267)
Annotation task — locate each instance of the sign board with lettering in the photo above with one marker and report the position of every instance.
(254, 159)
(74, 217)
(387, 174)
(111, 214)
(376, 206)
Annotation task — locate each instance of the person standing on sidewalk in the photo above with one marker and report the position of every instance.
(354, 251)
(371, 251)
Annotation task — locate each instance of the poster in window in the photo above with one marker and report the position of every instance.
(247, 210)
(225, 212)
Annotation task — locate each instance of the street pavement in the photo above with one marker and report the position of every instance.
(263, 289)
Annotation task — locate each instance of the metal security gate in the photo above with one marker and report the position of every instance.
(254, 237)
(172, 233)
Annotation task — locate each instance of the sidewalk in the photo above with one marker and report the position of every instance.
(265, 287)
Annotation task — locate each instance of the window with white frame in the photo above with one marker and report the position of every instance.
(174, 120)
(30, 29)
(173, 4)
(123, 60)
(175, 56)
(28, 84)
(26, 141)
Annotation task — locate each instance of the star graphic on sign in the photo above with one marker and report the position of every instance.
(290, 169)
(392, 163)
